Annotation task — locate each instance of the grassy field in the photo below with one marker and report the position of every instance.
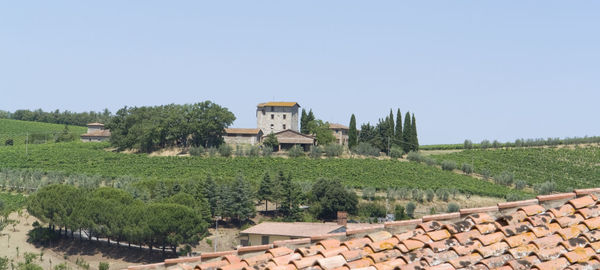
(38, 132)
(568, 168)
(91, 158)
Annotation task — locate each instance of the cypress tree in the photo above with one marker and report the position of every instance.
(398, 131)
(303, 122)
(352, 133)
(415, 140)
(406, 133)
(310, 116)
(391, 125)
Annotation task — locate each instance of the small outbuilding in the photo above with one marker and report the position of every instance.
(249, 136)
(96, 133)
(288, 138)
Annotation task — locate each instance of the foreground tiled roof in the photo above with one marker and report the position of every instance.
(560, 231)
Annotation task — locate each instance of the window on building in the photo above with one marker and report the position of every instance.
(284, 116)
(283, 126)
(271, 108)
(272, 126)
(263, 111)
(272, 116)
(264, 240)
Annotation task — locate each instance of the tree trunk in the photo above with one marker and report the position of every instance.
(266, 209)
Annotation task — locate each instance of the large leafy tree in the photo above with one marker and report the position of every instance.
(323, 135)
(329, 196)
(352, 133)
(150, 128)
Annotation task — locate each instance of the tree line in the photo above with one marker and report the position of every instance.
(388, 136)
(153, 127)
(57, 117)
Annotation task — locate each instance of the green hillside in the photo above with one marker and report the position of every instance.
(91, 158)
(38, 132)
(568, 168)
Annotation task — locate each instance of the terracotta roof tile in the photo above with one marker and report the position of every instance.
(378, 236)
(534, 209)
(583, 201)
(520, 239)
(496, 261)
(234, 266)
(383, 244)
(467, 236)
(574, 243)
(468, 211)
(562, 211)
(359, 263)
(468, 248)
(467, 260)
(550, 253)
(556, 264)
(439, 235)
(333, 251)
(517, 204)
(589, 212)
(460, 226)
(560, 196)
(486, 228)
(523, 263)
(493, 250)
(523, 251)
(331, 262)
(569, 220)
(430, 226)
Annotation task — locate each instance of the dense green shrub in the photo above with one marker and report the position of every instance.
(366, 149)
(417, 195)
(544, 188)
(103, 266)
(429, 161)
(467, 168)
(371, 210)
(225, 150)
(448, 165)
(196, 150)
(9, 142)
(295, 151)
(399, 212)
(396, 152)
(212, 151)
(453, 207)
(485, 144)
(505, 178)
(410, 209)
(414, 156)
(429, 194)
(333, 150)
(520, 184)
(315, 152)
(511, 197)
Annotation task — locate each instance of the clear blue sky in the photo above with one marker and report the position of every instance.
(467, 69)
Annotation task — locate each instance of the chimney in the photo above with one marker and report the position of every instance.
(342, 218)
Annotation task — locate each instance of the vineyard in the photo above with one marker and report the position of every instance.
(92, 159)
(568, 168)
(34, 132)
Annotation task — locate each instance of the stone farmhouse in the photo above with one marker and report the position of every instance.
(279, 118)
(96, 133)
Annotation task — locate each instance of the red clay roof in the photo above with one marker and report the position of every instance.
(278, 104)
(530, 236)
(337, 126)
(252, 131)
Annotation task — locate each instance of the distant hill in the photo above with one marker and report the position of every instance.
(36, 132)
